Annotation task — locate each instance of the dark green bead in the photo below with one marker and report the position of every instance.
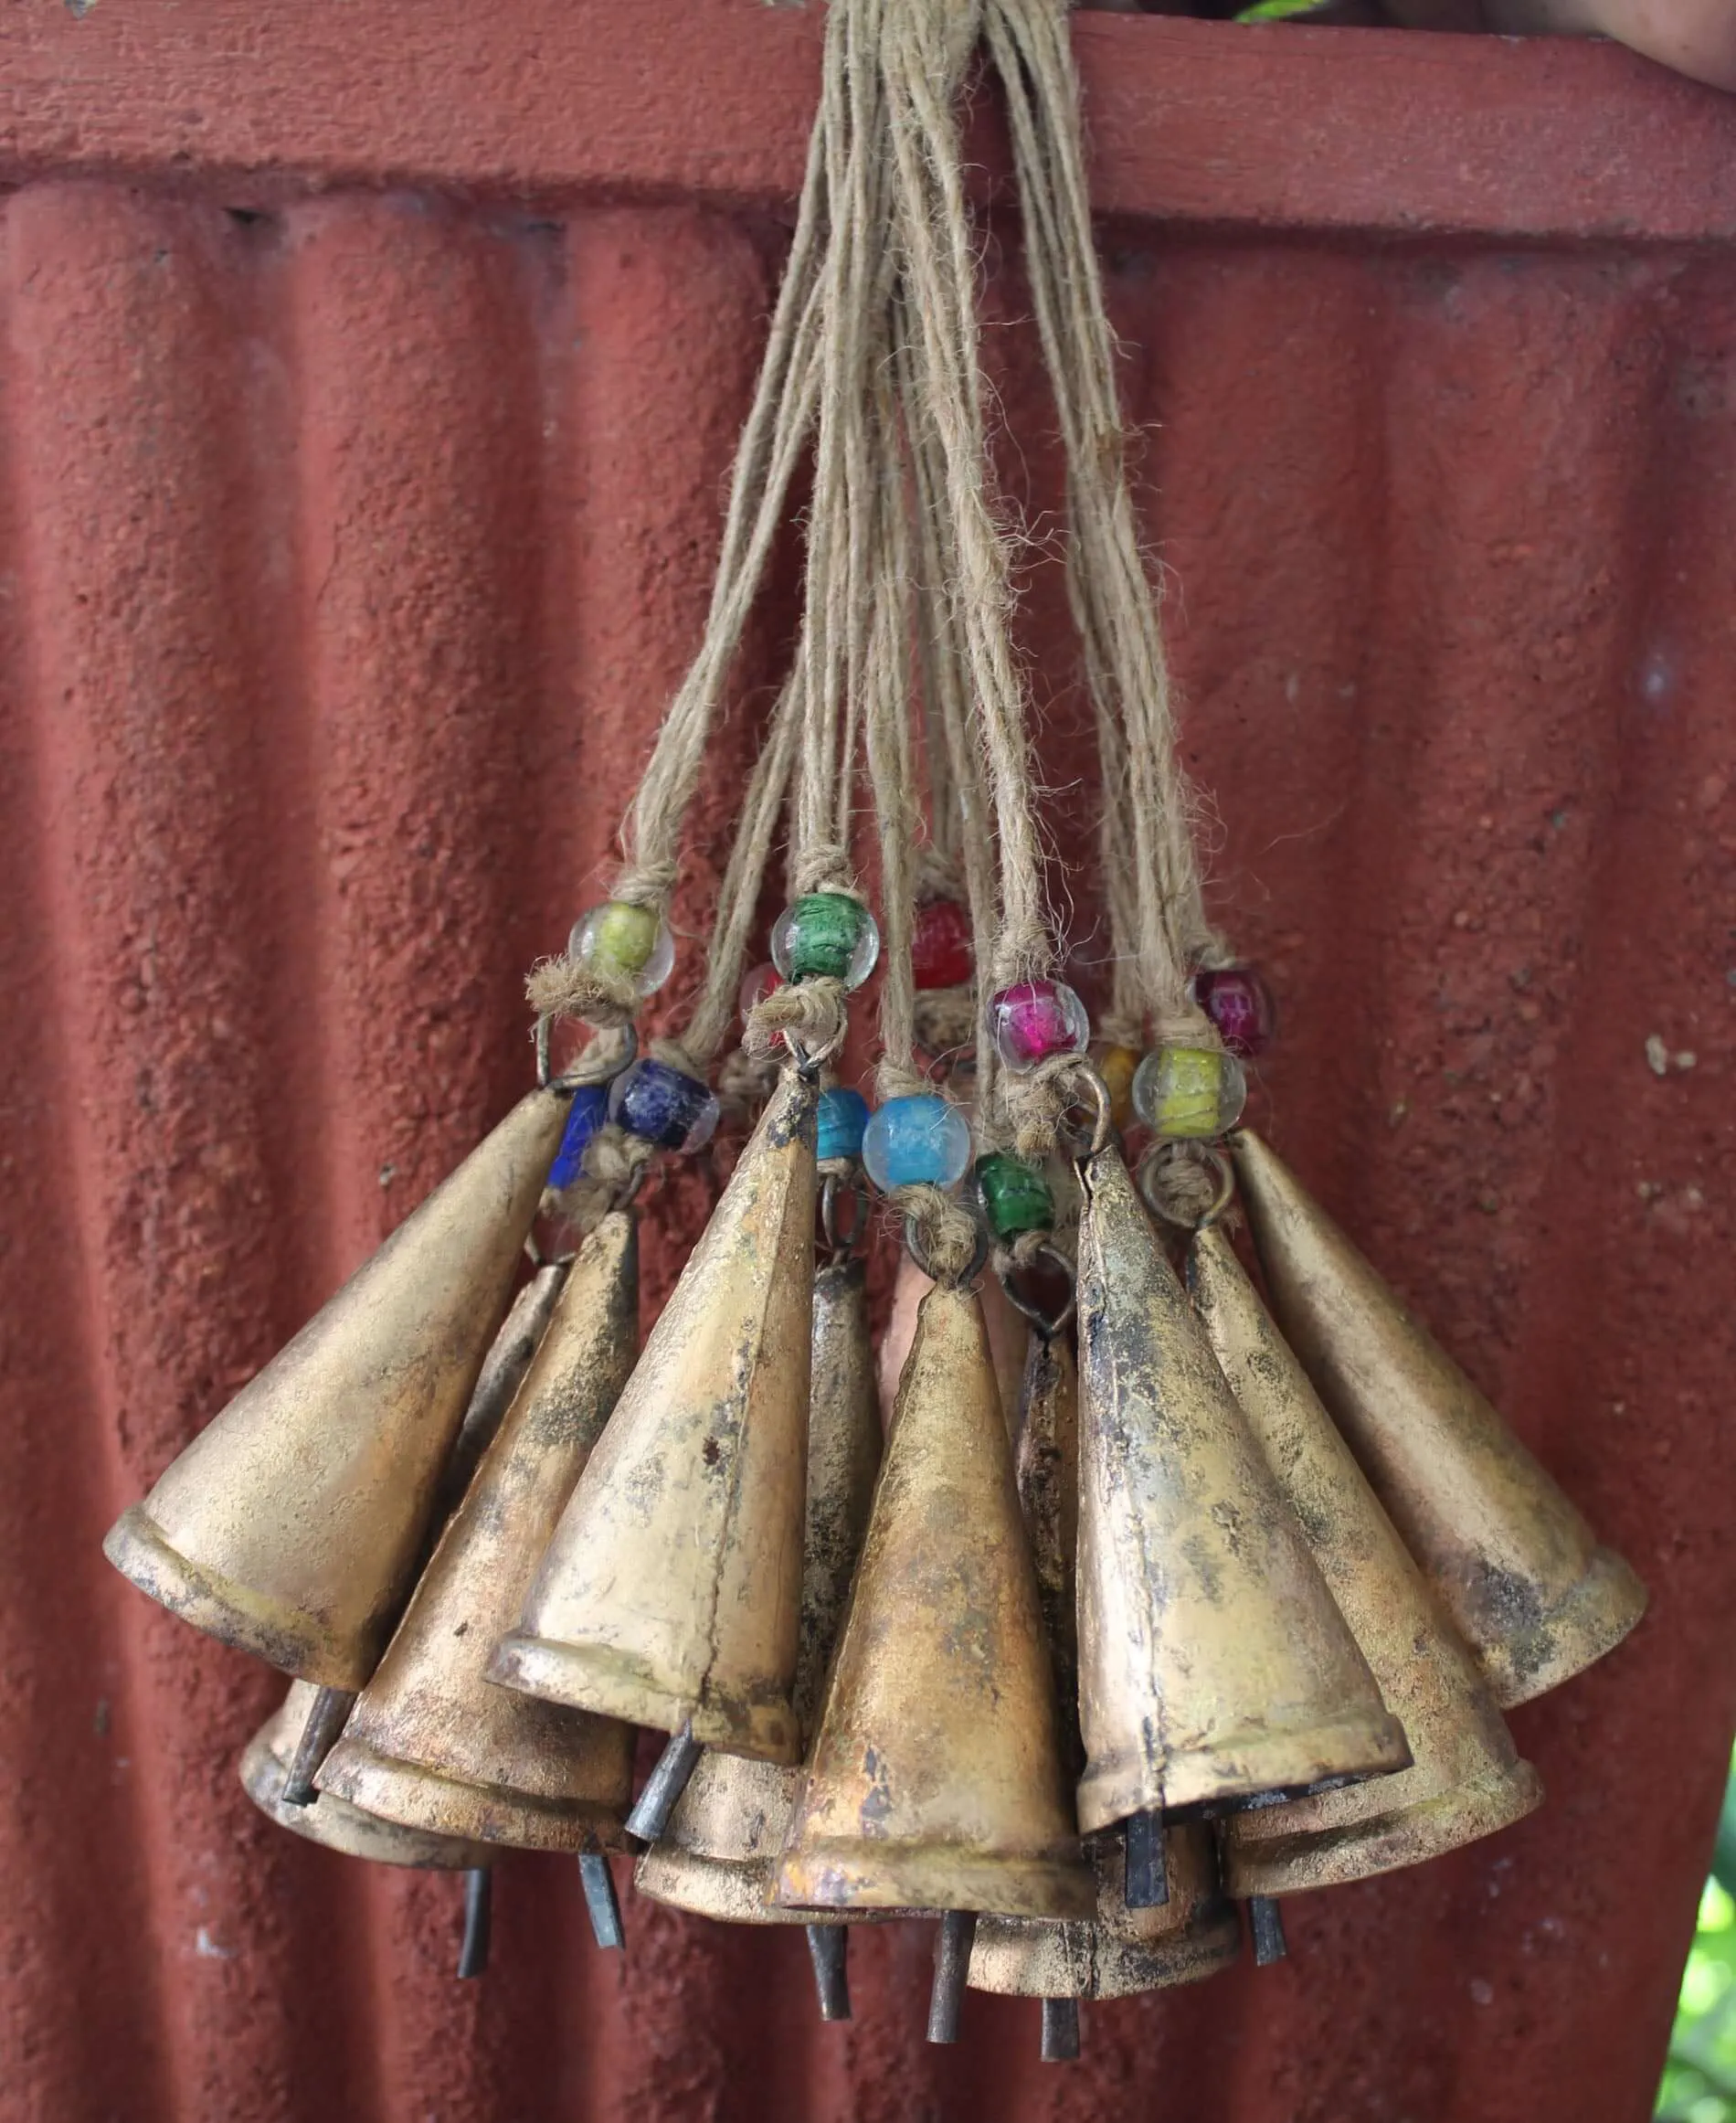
(822, 935)
(1015, 1195)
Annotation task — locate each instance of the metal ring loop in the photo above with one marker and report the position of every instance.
(1214, 1211)
(1047, 1324)
(808, 1066)
(546, 1080)
(1094, 1093)
(833, 1186)
(979, 1259)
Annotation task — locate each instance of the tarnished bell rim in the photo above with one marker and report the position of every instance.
(1465, 1780)
(291, 1526)
(695, 1497)
(1523, 1576)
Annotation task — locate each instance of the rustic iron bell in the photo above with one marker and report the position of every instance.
(1213, 1667)
(935, 1780)
(1518, 1571)
(1465, 1780)
(292, 1524)
(265, 1769)
(433, 1743)
(670, 1593)
(1119, 1952)
(719, 1854)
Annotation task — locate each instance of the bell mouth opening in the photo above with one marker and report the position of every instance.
(288, 1638)
(336, 1825)
(1596, 1614)
(1021, 1957)
(904, 1878)
(614, 1683)
(414, 1796)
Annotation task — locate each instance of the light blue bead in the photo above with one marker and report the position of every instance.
(842, 1117)
(910, 1141)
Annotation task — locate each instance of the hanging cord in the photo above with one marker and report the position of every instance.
(1159, 926)
(786, 399)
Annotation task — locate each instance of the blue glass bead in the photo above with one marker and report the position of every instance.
(916, 1140)
(589, 1111)
(842, 1117)
(666, 1105)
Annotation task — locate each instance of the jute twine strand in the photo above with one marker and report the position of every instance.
(1159, 927)
(786, 399)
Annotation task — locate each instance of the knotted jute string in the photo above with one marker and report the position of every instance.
(786, 399)
(1157, 916)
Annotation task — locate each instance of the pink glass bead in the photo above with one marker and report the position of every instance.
(1035, 1019)
(757, 985)
(1240, 1005)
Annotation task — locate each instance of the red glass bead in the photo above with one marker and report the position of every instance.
(940, 952)
(1240, 1005)
(756, 983)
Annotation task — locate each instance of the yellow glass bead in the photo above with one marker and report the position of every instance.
(1189, 1093)
(631, 942)
(1116, 1066)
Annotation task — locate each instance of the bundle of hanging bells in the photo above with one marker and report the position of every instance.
(1162, 1599)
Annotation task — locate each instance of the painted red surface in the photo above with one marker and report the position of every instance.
(350, 546)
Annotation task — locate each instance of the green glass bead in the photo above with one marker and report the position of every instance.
(826, 935)
(1015, 1195)
(1189, 1093)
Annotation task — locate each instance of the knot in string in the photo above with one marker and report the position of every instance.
(944, 1236)
(569, 991)
(811, 1012)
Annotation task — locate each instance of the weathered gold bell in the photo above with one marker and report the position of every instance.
(1119, 1952)
(1213, 1667)
(719, 1854)
(433, 1743)
(1465, 1780)
(503, 1373)
(292, 1524)
(1517, 1569)
(670, 1593)
(265, 1769)
(1194, 1930)
(935, 1780)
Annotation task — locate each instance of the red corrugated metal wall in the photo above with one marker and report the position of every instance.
(368, 379)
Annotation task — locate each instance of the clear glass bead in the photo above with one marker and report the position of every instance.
(1035, 1019)
(1189, 1093)
(826, 935)
(756, 983)
(940, 946)
(916, 1140)
(631, 942)
(1240, 1005)
(665, 1105)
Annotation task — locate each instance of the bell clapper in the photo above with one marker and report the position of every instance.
(479, 1921)
(1266, 1921)
(829, 1949)
(1147, 1885)
(664, 1785)
(1060, 2030)
(602, 1905)
(952, 1965)
(325, 1721)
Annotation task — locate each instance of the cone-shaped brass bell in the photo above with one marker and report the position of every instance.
(1195, 1931)
(291, 1526)
(1464, 1778)
(935, 1780)
(433, 1743)
(719, 1854)
(265, 1766)
(672, 1591)
(1517, 1569)
(1120, 1952)
(1213, 1667)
